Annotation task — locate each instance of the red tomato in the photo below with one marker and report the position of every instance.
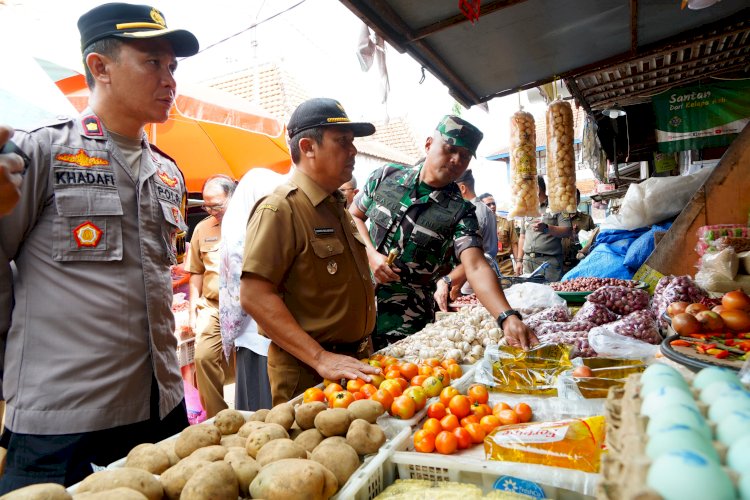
(480, 410)
(489, 422)
(409, 370)
(403, 407)
(476, 432)
(447, 394)
(368, 390)
(523, 411)
(424, 441)
(313, 394)
(341, 399)
(446, 443)
(383, 397)
(460, 406)
(432, 425)
(449, 422)
(436, 410)
(478, 394)
(355, 385)
(463, 438)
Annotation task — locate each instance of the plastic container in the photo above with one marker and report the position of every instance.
(186, 351)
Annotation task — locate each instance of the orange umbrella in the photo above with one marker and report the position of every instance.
(209, 132)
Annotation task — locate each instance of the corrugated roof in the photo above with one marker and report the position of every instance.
(399, 135)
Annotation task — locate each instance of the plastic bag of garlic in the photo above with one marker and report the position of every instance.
(462, 336)
(561, 163)
(524, 189)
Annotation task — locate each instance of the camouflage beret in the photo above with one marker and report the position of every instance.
(459, 132)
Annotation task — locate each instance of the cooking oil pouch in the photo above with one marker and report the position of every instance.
(572, 444)
(518, 371)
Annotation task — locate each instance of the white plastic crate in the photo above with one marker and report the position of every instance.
(186, 351)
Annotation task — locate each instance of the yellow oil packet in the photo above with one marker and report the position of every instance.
(571, 443)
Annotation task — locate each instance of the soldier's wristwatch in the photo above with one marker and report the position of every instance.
(506, 315)
(448, 281)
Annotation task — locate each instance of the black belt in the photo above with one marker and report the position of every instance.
(534, 255)
(346, 348)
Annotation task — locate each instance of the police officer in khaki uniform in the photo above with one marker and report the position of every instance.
(571, 246)
(89, 363)
(541, 240)
(212, 369)
(305, 278)
(507, 238)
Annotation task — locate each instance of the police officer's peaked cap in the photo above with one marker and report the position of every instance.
(124, 20)
(459, 132)
(324, 112)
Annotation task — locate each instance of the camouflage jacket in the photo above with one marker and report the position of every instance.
(429, 232)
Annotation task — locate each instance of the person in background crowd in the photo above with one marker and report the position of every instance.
(541, 239)
(239, 331)
(507, 238)
(349, 190)
(212, 369)
(572, 246)
(11, 171)
(485, 218)
(305, 278)
(87, 333)
(437, 229)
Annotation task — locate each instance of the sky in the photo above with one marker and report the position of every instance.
(315, 40)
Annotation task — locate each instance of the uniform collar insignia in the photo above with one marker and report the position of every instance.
(92, 127)
(82, 159)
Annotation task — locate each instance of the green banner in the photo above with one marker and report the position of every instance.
(701, 117)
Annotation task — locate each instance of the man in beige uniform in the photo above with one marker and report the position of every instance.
(571, 246)
(507, 238)
(212, 369)
(305, 277)
(86, 329)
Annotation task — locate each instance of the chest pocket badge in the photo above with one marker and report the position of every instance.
(87, 234)
(332, 267)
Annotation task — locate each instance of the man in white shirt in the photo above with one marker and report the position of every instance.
(238, 330)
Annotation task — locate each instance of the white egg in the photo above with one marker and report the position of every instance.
(656, 369)
(733, 426)
(664, 396)
(738, 456)
(680, 437)
(689, 475)
(744, 486)
(708, 376)
(712, 392)
(663, 380)
(678, 414)
(733, 400)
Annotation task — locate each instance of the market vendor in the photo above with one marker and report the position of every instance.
(89, 359)
(212, 368)
(305, 278)
(11, 170)
(541, 239)
(507, 238)
(419, 212)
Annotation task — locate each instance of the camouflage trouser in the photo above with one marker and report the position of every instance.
(402, 310)
(552, 273)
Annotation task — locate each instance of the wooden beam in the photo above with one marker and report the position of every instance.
(576, 92)
(633, 26)
(461, 19)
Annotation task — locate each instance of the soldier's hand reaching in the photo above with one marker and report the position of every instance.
(337, 366)
(381, 270)
(518, 334)
(441, 295)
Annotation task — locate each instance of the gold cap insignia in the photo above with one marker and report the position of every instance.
(157, 17)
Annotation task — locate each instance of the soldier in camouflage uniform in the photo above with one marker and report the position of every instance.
(419, 212)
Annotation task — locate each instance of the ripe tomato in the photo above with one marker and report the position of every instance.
(424, 441)
(418, 395)
(460, 406)
(449, 422)
(471, 419)
(476, 432)
(377, 379)
(425, 370)
(463, 438)
(489, 422)
(478, 394)
(455, 371)
(313, 394)
(500, 407)
(446, 443)
(392, 372)
(375, 363)
(480, 410)
(383, 397)
(388, 360)
(436, 410)
(447, 394)
(341, 399)
(402, 382)
(330, 389)
(523, 411)
(403, 407)
(432, 425)
(448, 362)
(359, 395)
(355, 385)
(433, 362)
(418, 380)
(433, 386)
(368, 390)
(442, 375)
(409, 370)
(393, 387)
(508, 417)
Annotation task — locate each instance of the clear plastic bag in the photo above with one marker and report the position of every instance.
(561, 160)
(620, 299)
(512, 369)
(532, 296)
(558, 313)
(595, 313)
(675, 289)
(524, 189)
(606, 342)
(725, 263)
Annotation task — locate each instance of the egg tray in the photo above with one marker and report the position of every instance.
(625, 467)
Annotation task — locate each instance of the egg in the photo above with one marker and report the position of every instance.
(664, 396)
(658, 369)
(744, 486)
(708, 376)
(663, 380)
(680, 437)
(733, 400)
(718, 389)
(738, 456)
(678, 414)
(733, 426)
(689, 475)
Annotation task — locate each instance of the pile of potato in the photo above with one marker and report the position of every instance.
(524, 189)
(303, 452)
(561, 160)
